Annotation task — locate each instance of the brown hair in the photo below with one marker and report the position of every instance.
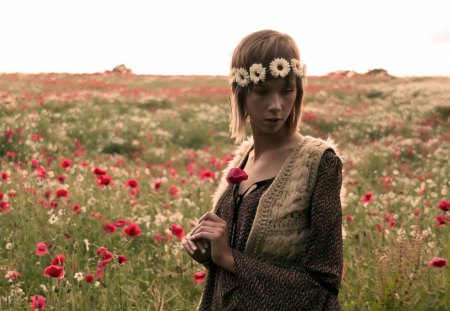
(262, 47)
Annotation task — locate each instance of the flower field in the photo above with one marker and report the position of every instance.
(102, 174)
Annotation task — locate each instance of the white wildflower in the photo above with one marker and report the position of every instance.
(86, 242)
(53, 219)
(79, 276)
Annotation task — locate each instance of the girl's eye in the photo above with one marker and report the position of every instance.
(260, 91)
(287, 91)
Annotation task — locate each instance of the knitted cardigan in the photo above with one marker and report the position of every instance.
(280, 227)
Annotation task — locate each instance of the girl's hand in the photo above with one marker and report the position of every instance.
(199, 250)
(214, 229)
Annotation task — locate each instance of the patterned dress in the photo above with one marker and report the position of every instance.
(259, 285)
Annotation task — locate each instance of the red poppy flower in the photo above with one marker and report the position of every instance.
(158, 236)
(13, 275)
(236, 175)
(120, 222)
(103, 180)
(349, 218)
(444, 205)
(5, 206)
(36, 137)
(132, 183)
(207, 174)
(76, 208)
(65, 164)
(199, 276)
(41, 249)
(437, 262)
(178, 231)
(1, 196)
(104, 262)
(99, 271)
(132, 230)
(62, 193)
(41, 172)
(367, 198)
(61, 178)
(109, 227)
(101, 250)
(99, 171)
(386, 180)
(107, 255)
(157, 185)
(11, 154)
(38, 302)
(5, 176)
(89, 278)
(121, 259)
(58, 260)
(54, 272)
(379, 227)
(173, 191)
(9, 133)
(442, 219)
(34, 163)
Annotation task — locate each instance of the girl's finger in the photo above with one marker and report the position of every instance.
(187, 245)
(211, 216)
(203, 223)
(210, 236)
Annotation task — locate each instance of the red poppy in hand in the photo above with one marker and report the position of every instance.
(236, 175)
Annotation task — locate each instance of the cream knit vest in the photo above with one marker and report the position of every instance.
(280, 227)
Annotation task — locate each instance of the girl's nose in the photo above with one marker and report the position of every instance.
(275, 103)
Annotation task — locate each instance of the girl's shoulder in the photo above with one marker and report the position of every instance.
(326, 149)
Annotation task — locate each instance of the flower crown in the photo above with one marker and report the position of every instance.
(278, 68)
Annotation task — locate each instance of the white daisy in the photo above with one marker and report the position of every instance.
(79, 276)
(257, 73)
(242, 78)
(231, 77)
(297, 68)
(279, 67)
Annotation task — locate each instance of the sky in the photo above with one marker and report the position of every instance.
(197, 37)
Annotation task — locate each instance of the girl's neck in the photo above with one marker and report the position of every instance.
(264, 144)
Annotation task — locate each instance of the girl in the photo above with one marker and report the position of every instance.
(273, 239)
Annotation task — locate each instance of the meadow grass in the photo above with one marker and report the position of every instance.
(170, 136)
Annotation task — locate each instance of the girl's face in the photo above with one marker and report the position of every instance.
(269, 105)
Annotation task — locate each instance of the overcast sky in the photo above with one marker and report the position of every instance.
(197, 37)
